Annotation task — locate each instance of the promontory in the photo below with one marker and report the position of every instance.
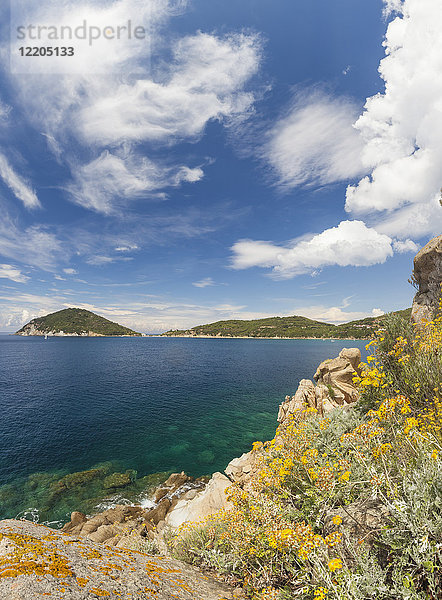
(74, 322)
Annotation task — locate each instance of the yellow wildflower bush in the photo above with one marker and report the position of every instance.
(274, 540)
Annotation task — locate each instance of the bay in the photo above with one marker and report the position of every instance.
(148, 406)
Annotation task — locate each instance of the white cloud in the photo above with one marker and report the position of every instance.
(21, 188)
(402, 128)
(403, 246)
(12, 273)
(205, 81)
(316, 142)
(109, 116)
(336, 314)
(351, 243)
(33, 245)
(70, 271)
(207, 282)
(108, 181)
(127, 248)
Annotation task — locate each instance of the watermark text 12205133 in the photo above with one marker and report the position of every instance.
(46, 51)
(79, 39)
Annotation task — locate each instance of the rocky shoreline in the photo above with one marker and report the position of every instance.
(180, 499)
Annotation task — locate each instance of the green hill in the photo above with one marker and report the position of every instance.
(287, 327)
(74, 321)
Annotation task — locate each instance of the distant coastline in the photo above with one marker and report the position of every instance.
(253, 337)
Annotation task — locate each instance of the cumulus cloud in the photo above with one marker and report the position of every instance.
(402, 128)
(19, 186)
(70, 271)
(316, 143)
(12, 273)
(351, 243)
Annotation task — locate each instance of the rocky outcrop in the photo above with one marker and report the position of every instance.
(36, 561)
(194, 506)
(337, 375)
(427, 275)
(117, 526)
(334, 386)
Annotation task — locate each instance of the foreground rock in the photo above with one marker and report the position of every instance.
(119, 525)
(195, 506)
(334, 386)
(427, 275)
(37, 562)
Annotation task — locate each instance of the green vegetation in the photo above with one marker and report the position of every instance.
(289, 327)
(345, 506)
(75, 321)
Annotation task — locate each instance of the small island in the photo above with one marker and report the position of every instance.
(74, 322)
(288, 328)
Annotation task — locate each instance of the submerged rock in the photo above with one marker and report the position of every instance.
(36, 561)
(119, 480)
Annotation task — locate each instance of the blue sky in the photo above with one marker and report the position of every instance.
(243, 159)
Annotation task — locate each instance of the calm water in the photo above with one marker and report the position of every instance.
(153, 405)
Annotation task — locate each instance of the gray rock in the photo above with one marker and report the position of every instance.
(37, 561)
(428, 276)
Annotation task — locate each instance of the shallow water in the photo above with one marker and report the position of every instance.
(152, 405)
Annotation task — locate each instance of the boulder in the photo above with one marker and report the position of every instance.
(239, 469)
(427, 274)
(172, 485)
(38, 562)
(212, 499)
(337, 375)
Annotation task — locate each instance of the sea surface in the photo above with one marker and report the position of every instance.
(74, 411)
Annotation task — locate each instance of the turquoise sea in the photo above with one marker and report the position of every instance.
(74, 411)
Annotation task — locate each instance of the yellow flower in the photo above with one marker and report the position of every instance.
(335, 564)
(345, 476)
(321, 593)
(337, 520)
(434, 454)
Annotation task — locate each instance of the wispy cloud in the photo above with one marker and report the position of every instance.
(12, 273)
(19, 186)
(315, 143)
(206, 79)
(207, 282)
(35, 245)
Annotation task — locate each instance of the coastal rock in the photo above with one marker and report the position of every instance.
(239, 469)
(305, 396)
(334, 386)
(37, 561)
(172, 485)
(337, 375)
(427, 274)
(205, 503)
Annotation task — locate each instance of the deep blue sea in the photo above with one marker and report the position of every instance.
(149, 406)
